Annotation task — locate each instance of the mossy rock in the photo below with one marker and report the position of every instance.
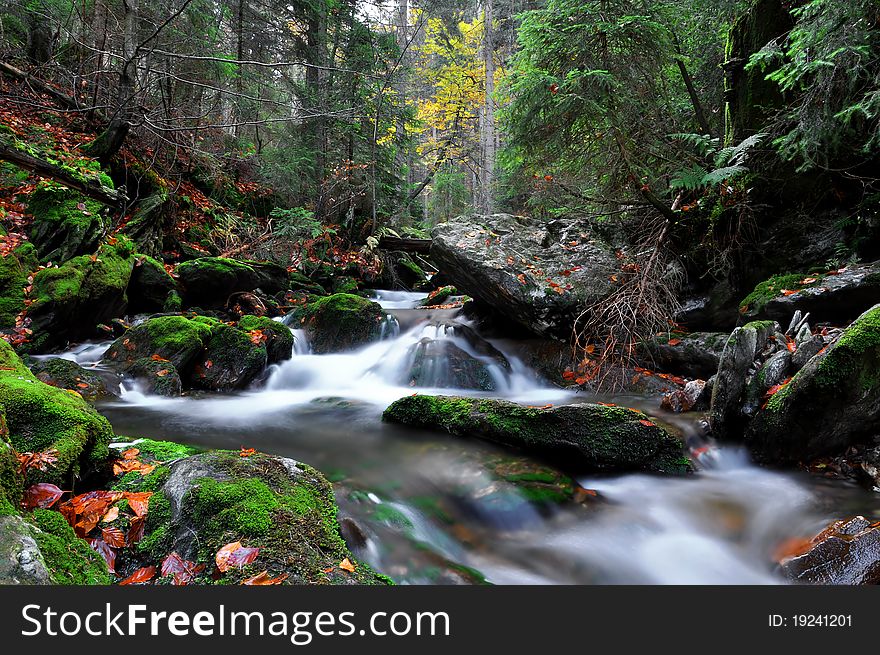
(69, 559)
(440, 296)
(205, 352)
(149, 287)
(174, 338)
(299, 282)
(41, 417)
(285, 508)
(70, 301)
(15, 268)
(341, 322)
(21, 562)
(279, 338)
(11, 477)
(152, 215)
(158, 378)
(65, 224)
(346, 284)
(231, 360)
(210, 281)
(832, 403)
(583, 436)
(66, 374)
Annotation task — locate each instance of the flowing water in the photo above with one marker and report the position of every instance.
(425, 507)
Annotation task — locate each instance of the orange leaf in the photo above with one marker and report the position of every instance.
(111, 515)
(234, 555)
(114, 537)
(568, 375)
(788, 292)
(346, 565)
(144, 574)
(808, 280)
(246, 452)
(139, 501)
(262, 579)
(674, 342)
(131, 453)
(646, 423)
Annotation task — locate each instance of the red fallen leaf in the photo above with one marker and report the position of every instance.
(139, 501)
(234, 555)
(788, 292)
(157, 358)
(568, 375)
(42, 495)
(131, 453)
(607, 404)
(82, 385)
(808, 280)
(646, 423)
(41, 460)
(246, 452)
(554, 89)
(183, 570)
(114, 537)
(674, 342)
(590, 349)
(136, 530)
(262, 579)
(142, 575)
(162, 373)
(790, 344)
(106, 551)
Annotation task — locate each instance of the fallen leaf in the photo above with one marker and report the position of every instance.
(106, 551)
(674, 342)
(144, 574)
(111, 515)
(114, 537)
(235, 555)
(346, 565)
(246, 452)
(42, 495)
(646, 423)
(139, 501)
(262, 579)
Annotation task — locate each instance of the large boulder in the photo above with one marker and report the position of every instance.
(341, 322)
(540, 275)
(846, 552)
(21, 561)
(210, 281)
(41, 417)
(283, 507)
(694, 355)
(832, 297)
(65, 224)
(150, 286)
(594, 437)
(204, 352)
(831, 403)
(71, 300)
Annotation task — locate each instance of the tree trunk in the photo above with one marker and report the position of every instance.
(488, 136)
(40, 38)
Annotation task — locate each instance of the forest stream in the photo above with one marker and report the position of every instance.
(425, 507)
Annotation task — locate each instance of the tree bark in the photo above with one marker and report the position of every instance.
(488, 136)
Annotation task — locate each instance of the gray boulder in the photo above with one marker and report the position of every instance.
(540, 275)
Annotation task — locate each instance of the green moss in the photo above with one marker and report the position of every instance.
(600, 437)
(760, 326)
(175, 338)
(300, 282)
(65, 224)
(341, 321)
(15, 268)
(70, 560)
(279, 344)
(163, 451)
(173, 302)
(440, 296)
(769, 289)
(40, 417)
(855, 358)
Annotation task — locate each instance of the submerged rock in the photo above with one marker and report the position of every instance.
(831, 403)
(846, 552)
(441, 364)
(340, 322)
(540, 275)
(597, 437)
(42, 417)
(155, 377)
(283, 507)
